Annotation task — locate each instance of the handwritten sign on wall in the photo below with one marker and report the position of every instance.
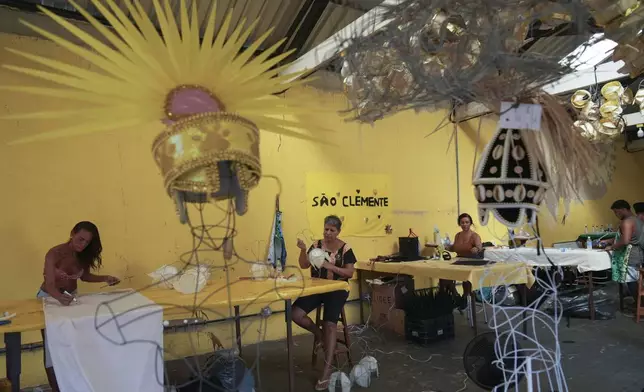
(362, 201)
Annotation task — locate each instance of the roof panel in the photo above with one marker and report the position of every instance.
(279, 15)
(334, 18)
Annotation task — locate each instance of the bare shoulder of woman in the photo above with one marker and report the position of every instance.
(56, 252)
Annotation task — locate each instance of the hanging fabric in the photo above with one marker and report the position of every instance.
(277, 248)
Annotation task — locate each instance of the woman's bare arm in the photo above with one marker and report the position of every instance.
(626, 228)
(304, 259)
(478, 244)
(450, 248)
(91, 278)
(346, 271)
(50, 274)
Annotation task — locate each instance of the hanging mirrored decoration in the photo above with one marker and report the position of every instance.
(509, 183)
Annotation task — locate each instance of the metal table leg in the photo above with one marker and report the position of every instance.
(360, 297)
(591, 300)
(289, 346)
(13, 360)
(523, 288)
(468, 293)
(238, 329)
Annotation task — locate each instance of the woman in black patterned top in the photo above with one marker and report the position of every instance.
(340, 268)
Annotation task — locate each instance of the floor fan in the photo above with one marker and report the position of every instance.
(479, 360)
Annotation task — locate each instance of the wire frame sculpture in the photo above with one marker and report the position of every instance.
(213, 252)
(520, 350)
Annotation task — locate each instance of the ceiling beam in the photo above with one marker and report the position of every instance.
(14, 11)
(302, 26)
(365, 25)
(22, 5)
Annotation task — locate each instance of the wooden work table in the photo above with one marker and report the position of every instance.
(215, 296)
(472, 276)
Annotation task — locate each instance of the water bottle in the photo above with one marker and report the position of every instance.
(586, 229)
(448, 242)
(279, 269)
(589, 244)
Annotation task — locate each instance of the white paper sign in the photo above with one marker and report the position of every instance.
(524, 116)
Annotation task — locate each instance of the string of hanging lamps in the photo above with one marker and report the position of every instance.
(599, 118)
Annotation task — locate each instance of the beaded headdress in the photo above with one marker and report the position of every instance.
(212, 97)
(509, 182)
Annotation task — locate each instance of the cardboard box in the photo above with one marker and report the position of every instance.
(5, 385)
(387, 301)
(392, 292)
(391, 320)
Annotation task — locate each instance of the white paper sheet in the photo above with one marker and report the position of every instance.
(106, 343)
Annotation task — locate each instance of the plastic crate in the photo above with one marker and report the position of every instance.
(425, 331)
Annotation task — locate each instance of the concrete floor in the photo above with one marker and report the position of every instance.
(602, 356)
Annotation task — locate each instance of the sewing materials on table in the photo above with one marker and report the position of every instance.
(106, 335)
(190, 282)
(164, 276)
(260, 271)
(7, 316)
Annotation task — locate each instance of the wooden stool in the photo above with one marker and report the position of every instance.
(639, 309)
(342, 346)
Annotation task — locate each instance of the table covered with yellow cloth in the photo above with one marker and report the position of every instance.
(473, 276)
(479, 276)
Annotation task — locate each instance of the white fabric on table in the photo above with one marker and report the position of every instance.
(584, 260)
(89, 351)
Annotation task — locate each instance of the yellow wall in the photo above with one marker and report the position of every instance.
(112, 180)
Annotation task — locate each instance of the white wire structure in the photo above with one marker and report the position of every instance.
(527, 338)
(213, 248)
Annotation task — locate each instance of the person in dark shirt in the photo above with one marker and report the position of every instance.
(338, 266)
